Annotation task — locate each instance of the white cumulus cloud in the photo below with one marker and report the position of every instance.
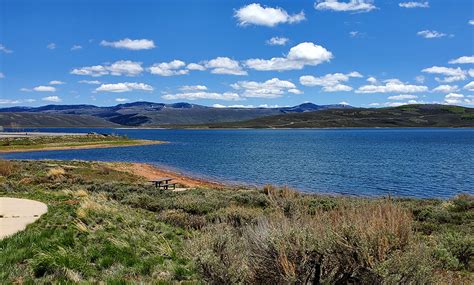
(469, 86)
(56, 82)
(430, 34)
(226, 96)
(225, 65)
(130, 44)
(445, 88)
(97, 82)
(55, 99)
(414, 4)
(121, 67)
(196, 66)
(123, 87)
(51, 46)
(255, 14)
(454, 98)
(193, 88)
(402, 97)
(392, 86)
(5, 49)
(463, 60)
(341, 6)
(76, 47)
(121, 100)
(175, 67)
(306, 53)
(450, 74)
(43, 88)
(271, 88)
(277, 41)
(330, 82)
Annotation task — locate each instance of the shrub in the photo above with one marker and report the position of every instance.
(344, 245)
(6, 168)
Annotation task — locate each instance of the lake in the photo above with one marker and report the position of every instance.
(364, 162)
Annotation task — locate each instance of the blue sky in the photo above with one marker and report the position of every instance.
(227, 53)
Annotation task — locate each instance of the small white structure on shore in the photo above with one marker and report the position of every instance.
(1, 129)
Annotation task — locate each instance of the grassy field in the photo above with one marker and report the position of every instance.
(111, 226)
(33, 143)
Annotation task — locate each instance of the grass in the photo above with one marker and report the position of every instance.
(108, 226)
(67, 141)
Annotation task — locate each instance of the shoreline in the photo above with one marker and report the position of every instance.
(150, 172)
(85, 146)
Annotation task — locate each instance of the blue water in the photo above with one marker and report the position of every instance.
(367, 162)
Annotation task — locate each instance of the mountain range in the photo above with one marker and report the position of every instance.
(141, 114)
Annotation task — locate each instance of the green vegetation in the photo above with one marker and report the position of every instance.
(403, 116)
(105, 225)
(15, 144)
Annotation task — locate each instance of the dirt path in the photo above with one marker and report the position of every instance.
(151, 172)
(16, 214)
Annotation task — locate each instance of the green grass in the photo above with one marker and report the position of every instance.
(45, 142)
(105, 225)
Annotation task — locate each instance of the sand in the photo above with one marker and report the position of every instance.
(16, 214)
(150, 172)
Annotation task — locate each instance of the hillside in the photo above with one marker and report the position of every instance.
(404, 116)
(37, 120)
(149, 114)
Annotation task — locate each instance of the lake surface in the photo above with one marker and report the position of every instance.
(367, 162)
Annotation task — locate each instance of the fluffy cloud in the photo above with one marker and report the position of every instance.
(76, 47)
(196, 66)
(55, 99)
(42, 88)
(306, 53)
(277, 41)
(56, 82)
(255, 14)
(272, 88)
(402, 97)
(471, 72)
(471, 22)
(454, 98)
(130, 44)
(125, 67)
(412, 4)
(330, 82)
(372, 80)
(392, 86)
(351, 6)
(123, 87)
(227, 96)
(193, 88)
(4, 49)
(451, 74)
(121, 100)
(171, 68)
(225, 65)
(445, 88)
(2, 75)
(51, 46)
(469, 86)
(121, 67)
(12, 102)
(463, 60)
(90, 81)
(428, 34)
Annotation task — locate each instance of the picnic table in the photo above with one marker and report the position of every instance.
(164, 183)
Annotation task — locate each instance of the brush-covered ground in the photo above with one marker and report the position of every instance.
(111, 226)
(33, 143)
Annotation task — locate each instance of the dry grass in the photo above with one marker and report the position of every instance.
(291, 245)
(6, 168)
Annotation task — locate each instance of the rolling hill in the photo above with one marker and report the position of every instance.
(404, 116)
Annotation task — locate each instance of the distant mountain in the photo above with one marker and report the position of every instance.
(404, 116)
(149, 114)
(41, 120)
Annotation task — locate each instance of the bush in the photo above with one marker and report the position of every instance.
(344, 245)
(6, 168)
